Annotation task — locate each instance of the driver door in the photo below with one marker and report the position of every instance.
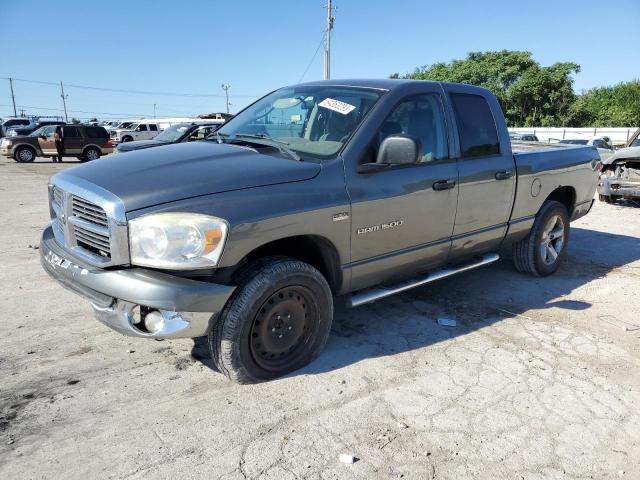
(47, 142)
(403, 216)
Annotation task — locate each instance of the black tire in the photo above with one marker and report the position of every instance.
(91, 153)
(24, 155)
(528, 252)
(606, 198)
(127, 138)
(277, 321)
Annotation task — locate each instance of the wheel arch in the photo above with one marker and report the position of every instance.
(91, 145)
(315, 250)
(566, 195)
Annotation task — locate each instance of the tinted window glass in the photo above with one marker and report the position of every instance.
(153, 128)
(96, 132)
(142, 128)
(71, 132)
(476, 126)
(421, 117)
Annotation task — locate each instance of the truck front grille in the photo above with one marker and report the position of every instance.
(95, 242)
(88, 211)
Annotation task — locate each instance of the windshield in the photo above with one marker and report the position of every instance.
(172, 133)
(310, 120)
(125, 125)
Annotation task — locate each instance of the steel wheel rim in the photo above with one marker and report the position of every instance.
(25, 155)
(282, 327)
(552, 241)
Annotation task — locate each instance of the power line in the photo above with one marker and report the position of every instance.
(312, 58)
(136, 92)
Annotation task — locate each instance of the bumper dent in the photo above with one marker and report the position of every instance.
(115, 293)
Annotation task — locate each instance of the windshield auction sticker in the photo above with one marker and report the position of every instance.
(337, 106)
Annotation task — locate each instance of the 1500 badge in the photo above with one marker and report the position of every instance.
(382, 226)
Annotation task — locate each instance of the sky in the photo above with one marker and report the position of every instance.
(192, 47)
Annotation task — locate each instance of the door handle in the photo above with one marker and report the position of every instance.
(444, 185)
(504, 175)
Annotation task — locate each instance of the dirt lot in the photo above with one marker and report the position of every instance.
(539, 380)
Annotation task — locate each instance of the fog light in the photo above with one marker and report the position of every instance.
(154, 321)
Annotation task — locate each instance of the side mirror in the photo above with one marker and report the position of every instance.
(399, 150)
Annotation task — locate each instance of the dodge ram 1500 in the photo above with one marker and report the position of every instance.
(357, 189)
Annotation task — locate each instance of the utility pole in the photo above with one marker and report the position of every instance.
(154, 110)
(327, 43)
(64, 101)
(226, 91)
(13, 97)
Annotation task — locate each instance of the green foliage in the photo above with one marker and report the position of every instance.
(532, 95)
(75, 121)
(608, 106)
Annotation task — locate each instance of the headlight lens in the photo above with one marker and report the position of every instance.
(177, 240)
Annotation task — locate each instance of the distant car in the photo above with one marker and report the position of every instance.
(604, 147)
(12, 123)
(135, 131)
(620, 175)
(182, 132)
(31, 127)
(86, 142)
(524, 137)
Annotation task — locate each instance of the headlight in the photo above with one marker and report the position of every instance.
(177, 240)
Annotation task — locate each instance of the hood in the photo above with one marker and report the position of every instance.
(140, 144)
(622, 154)
(170, 173)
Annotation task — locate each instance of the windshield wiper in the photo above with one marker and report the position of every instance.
(279, 144)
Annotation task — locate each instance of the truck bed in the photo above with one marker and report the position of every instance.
(529, 147)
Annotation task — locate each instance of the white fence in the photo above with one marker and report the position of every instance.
(618, 136)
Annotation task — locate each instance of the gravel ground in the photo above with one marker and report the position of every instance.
(540, 379)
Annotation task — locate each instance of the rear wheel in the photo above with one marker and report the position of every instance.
(541, 252)
(91, 153)
(608, 198)
(277, 321)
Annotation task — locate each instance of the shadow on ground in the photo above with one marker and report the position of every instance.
(474, 299)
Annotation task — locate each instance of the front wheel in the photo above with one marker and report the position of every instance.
(541, 252)
(277, 321)
(127, 138)
(24, 155)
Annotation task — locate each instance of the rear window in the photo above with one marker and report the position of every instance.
(96, 132)
(476, 125)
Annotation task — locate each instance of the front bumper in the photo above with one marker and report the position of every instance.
(188, 305)
(6, 151)
(611, 186)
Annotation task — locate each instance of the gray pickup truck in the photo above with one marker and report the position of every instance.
(357, 189)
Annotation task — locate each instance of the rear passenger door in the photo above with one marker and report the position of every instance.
(153, 130)
(72, 140)
(486, 169)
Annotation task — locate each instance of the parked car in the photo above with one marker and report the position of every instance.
(182, 132)
(31, 127)
(359, 188)
(523, 137)
(85, 142)
(135, 131)
(620, 175)
(13, 122)
(604, 147)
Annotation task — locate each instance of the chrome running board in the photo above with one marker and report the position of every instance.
(376, 293)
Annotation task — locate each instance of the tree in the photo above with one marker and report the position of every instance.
(75, 121)
(94, 119)
(608, 106)
(530, 94)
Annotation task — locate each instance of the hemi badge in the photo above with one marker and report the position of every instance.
(340, 216)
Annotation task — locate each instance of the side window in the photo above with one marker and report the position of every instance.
(476, 125)
(422, 117)
(70, 132)
(199, 133)
(153, 127)
(142, 127)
